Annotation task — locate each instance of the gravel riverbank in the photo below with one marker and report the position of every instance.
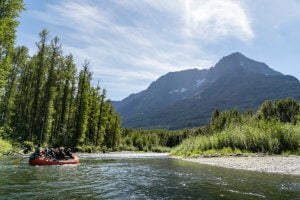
(269, 164)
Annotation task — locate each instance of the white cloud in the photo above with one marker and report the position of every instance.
(79, 15)
(133, 42)
(216, 19)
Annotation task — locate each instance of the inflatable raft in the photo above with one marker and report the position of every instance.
(51, 161)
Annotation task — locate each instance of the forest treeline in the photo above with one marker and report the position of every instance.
(43, 97)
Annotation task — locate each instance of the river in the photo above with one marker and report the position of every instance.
(140, 176)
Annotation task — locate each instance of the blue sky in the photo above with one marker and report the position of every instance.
(130, 43)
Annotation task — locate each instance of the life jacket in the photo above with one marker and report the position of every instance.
(31, 157)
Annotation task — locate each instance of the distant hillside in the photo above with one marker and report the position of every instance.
(187, 98)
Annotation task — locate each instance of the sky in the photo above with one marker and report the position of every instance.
(131, 43)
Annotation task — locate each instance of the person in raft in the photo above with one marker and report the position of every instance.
(37, 152)
(61, 154)
(52, 153)
(69, 153)
(45, 152)
(27, 149)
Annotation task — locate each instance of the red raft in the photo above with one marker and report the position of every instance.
(50, 161)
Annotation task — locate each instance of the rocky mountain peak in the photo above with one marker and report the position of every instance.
(187, 98)
(236, 64)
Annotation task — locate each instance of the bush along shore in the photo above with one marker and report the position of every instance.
(273, 129)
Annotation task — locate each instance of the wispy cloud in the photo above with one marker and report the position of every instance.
(141, 40)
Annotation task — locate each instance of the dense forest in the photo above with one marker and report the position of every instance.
(43, 97)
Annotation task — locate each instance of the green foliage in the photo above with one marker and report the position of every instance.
(284, 110)
(268, 135)
(46, 101)
(5, 132)
(9, 11)
(152, 140)
(28, 144)
(82, 105)
(5, 146)
(220, 121)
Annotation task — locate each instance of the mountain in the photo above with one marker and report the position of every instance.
(163, 92)
(187, 98)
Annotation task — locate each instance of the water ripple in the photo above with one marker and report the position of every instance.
(140, 176)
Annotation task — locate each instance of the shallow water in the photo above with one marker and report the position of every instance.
(140, 176)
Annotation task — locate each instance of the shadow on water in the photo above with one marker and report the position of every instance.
(131, 176)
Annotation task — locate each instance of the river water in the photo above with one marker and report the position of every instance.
(140, 176)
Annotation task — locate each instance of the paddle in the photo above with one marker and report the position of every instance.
(53, 158)
(18, 161)
(18, 152)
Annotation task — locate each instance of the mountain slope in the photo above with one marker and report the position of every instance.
(187, 98)
(166, 90)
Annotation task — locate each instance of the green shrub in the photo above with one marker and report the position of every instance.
(5, 146)
(256, 136)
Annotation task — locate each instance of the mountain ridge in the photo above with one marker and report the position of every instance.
(187, 98)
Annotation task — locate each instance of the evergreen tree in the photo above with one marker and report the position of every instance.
(65, 87)
(82, 105)
(215, 116)
(9, 11)
(18, 61)
(286, 110)
(93, 115)
(23, 100)
(112, 130)
(49, 91)
(40, 66)
(100, 127)
(266, 110)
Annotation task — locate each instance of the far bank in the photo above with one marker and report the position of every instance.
(268, 164)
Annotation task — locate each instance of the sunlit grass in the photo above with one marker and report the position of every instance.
(255, 136)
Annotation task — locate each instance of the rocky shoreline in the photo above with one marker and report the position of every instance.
(269, 164)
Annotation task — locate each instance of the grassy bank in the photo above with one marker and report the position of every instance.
(256, 136)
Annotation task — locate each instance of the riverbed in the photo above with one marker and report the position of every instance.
(140, 176)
